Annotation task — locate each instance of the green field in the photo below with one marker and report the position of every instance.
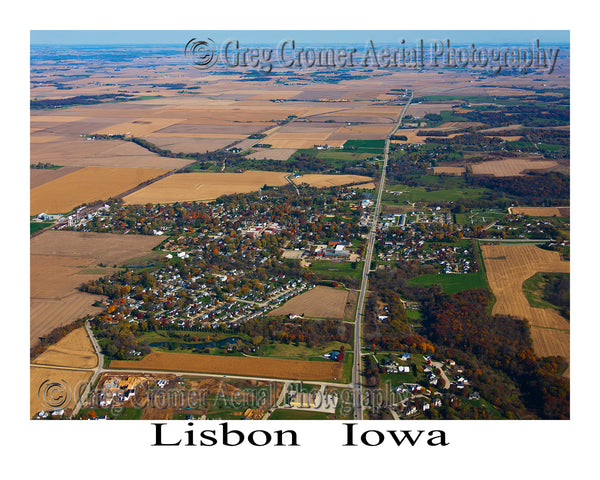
(365, 146)
(300, 351)
(37, 226)
(337, 270)
(297, 414)
(427, 194)
(480, 217)
(452, 283)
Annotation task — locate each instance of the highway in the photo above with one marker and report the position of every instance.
(357, 366)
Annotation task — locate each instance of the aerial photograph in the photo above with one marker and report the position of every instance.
(299, 225)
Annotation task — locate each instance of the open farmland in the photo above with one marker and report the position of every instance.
(448, 170)
(204, 186)
(320, 302)
(507, 267)
(509, 167)
(230, 365)
(81, 152)
(73, 350)
(87, 185)
(271, 153)
(58, 260)
(39, 176)
(319, 180)
(541, 211)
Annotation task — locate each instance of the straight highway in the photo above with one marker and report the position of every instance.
(357, 364)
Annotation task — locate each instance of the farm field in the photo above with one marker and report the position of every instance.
(73, 350)
(320, 180)
(541, 211)
(271, 153)
(39, 176)
(245, 366)
(320, 302)
(82, 152)
(507, 267)
(87, 185)
(58, 260)
(509, 167)
(448, 170)
(451, 283)
(204, 186)
(40, 379)
(104, 248)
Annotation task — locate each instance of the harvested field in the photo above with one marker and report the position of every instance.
(87, 185)
(57, 260)
(320, 302)
(511, 166)
(191, 145)
(107, 248)
(245, 366)
(421, 109)
(271, 153)
(44, 139)
(541, 211)
(46, 314)
(319, 180)
(360, 132)
(42, 393)
(101, 153)
(507, 267)
(39, 176)
(236, 130)
(366, 186)
(448, 170)
(299, 140)
(411, 136)
(138, 128)
(74, 350)
(204, 186)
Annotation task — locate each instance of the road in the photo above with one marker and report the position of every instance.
(357, 366)
(99, 370)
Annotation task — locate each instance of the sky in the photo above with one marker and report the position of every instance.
(178, 37)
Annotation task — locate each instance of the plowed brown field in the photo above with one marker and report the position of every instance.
(511, 166)
(246, 366)
(507, 267)
(541, 211)
(320, 302)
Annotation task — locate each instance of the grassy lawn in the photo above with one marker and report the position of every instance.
(481, 217)
(128, 413)
(337, 270)
(301, 351)
(451, 282)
